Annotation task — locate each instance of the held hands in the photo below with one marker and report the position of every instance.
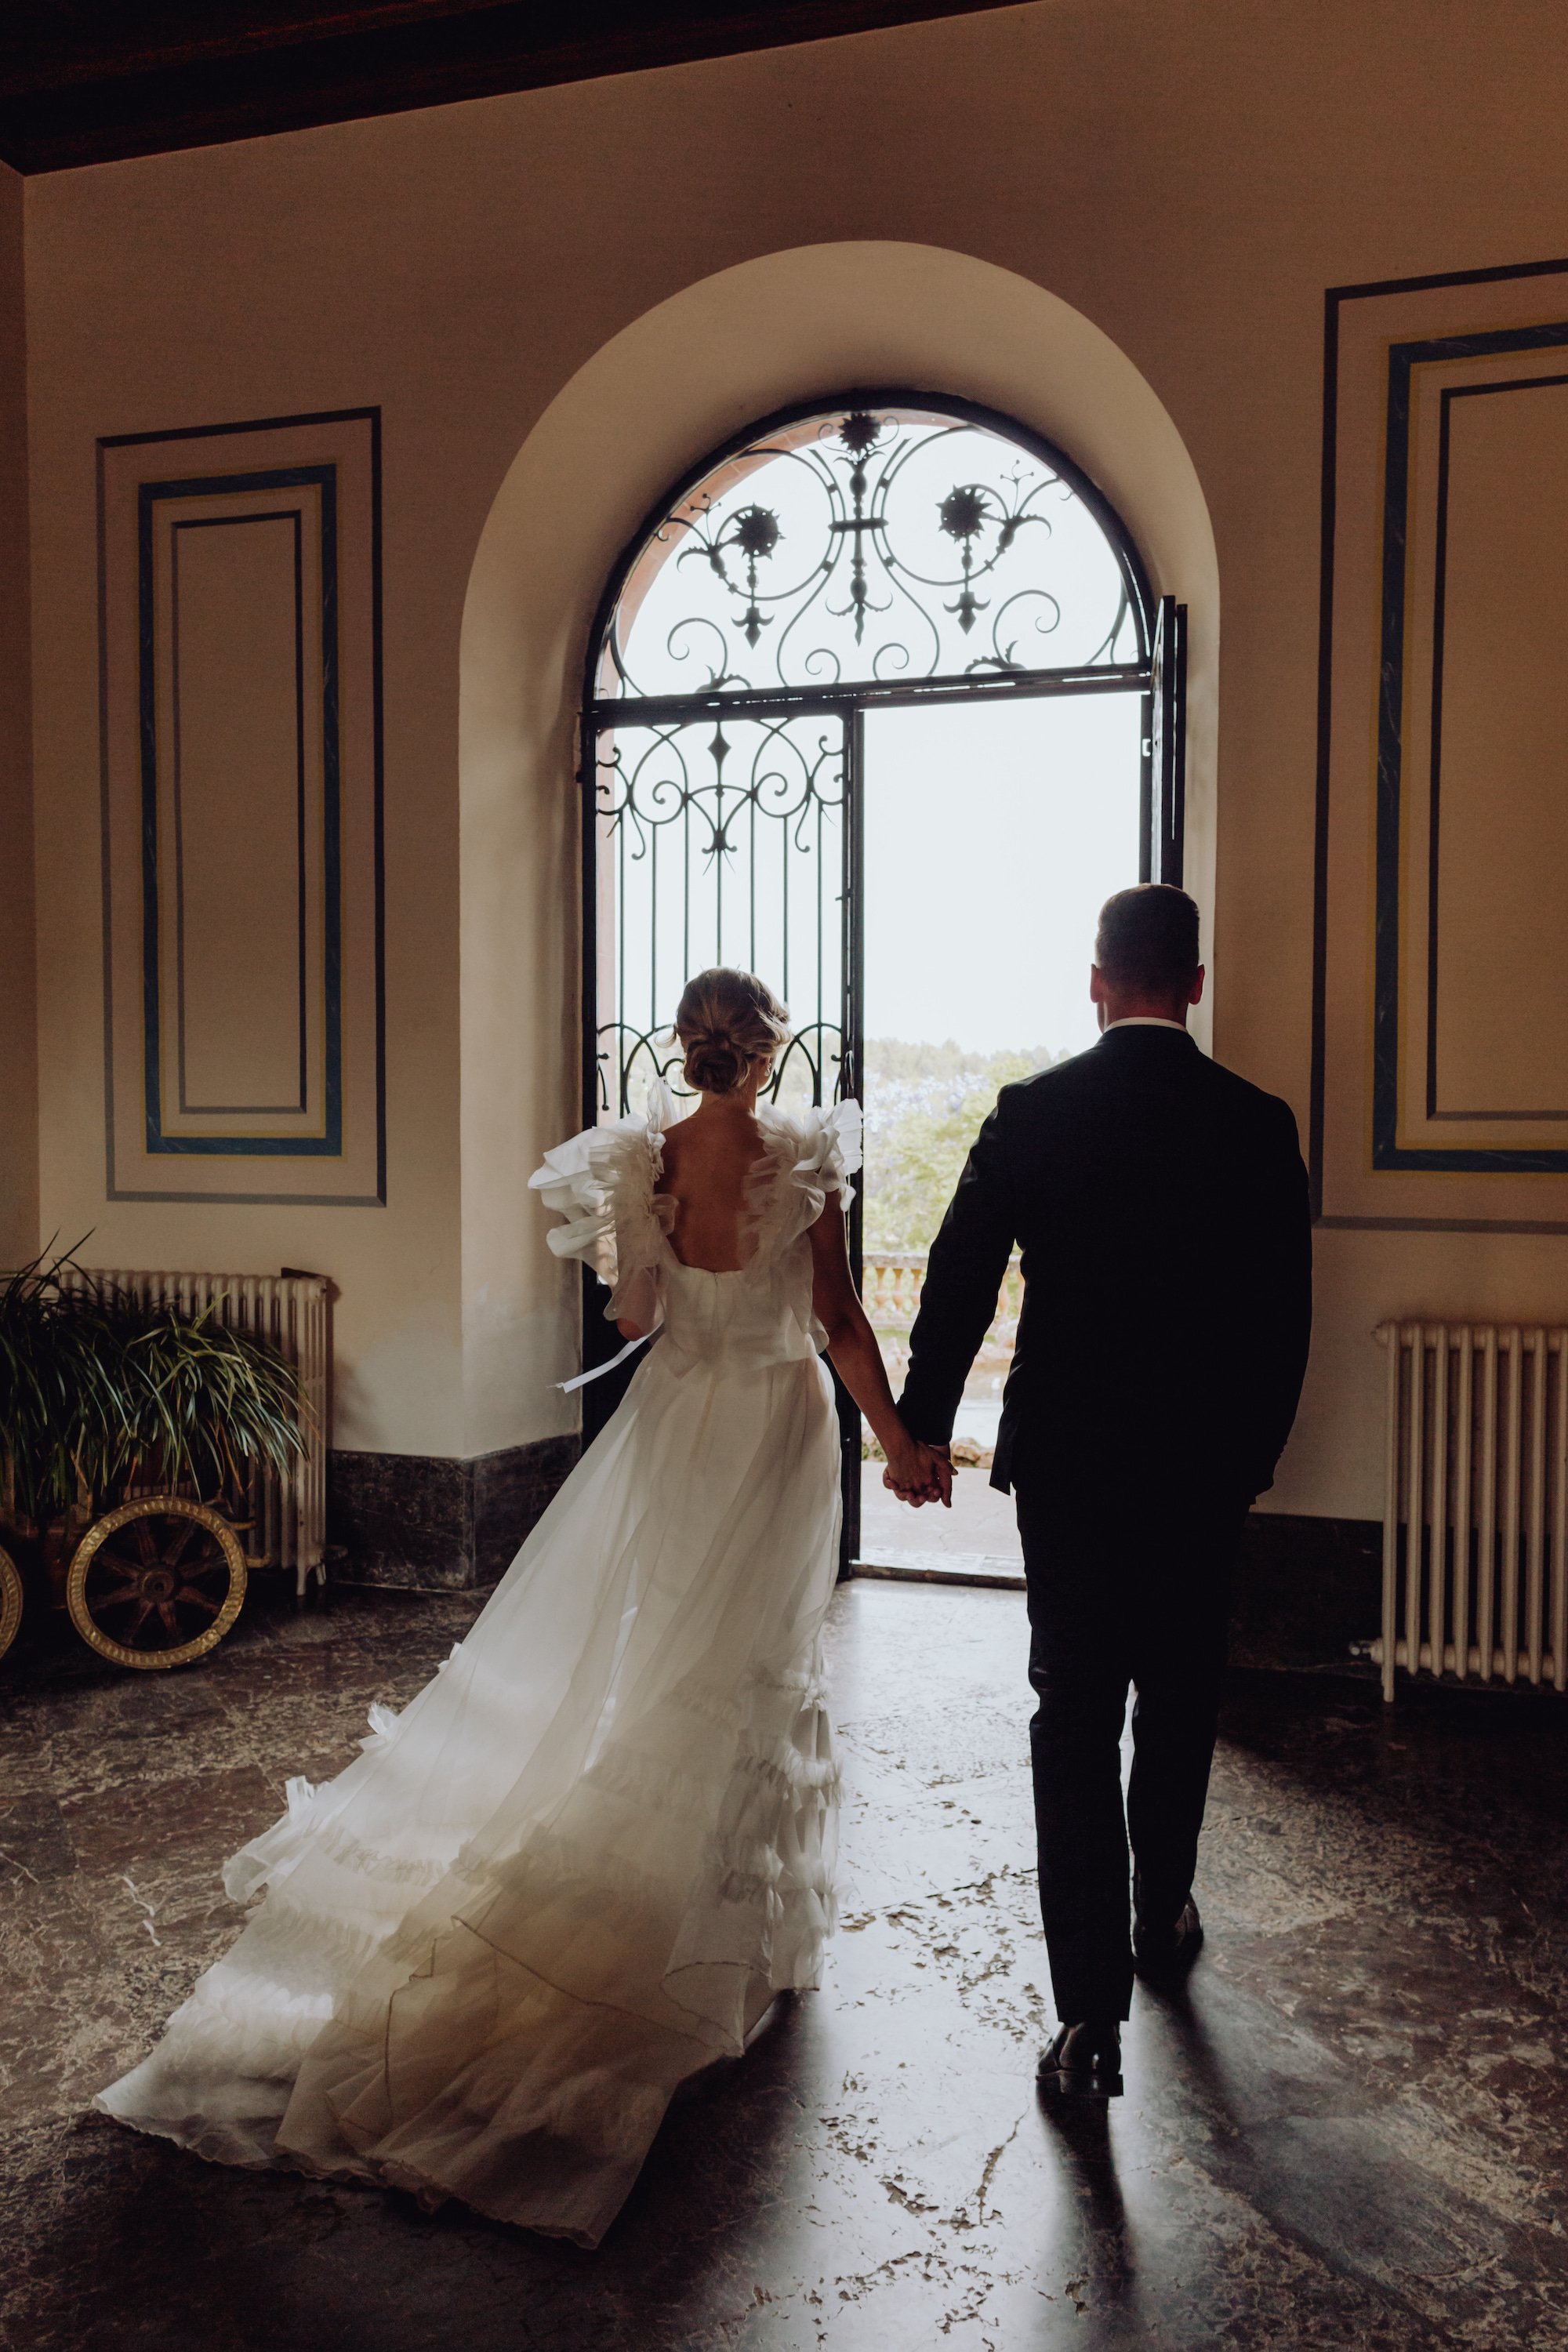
(918, 1474)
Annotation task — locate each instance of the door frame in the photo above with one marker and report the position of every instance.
(1159, 675)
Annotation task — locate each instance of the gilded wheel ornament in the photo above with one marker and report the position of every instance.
(156, 1582)
(11, 1599)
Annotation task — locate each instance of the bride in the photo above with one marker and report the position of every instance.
(580, 1864)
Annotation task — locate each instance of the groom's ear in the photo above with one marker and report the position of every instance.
(1196, 995)
(1097, 985)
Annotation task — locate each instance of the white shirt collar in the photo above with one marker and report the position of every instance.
(1144, 1020)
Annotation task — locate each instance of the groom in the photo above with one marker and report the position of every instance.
(1161, 1205)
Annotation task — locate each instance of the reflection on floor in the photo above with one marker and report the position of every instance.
(1348, 2132)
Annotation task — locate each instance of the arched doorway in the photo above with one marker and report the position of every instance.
(761, 649)
(679, 378)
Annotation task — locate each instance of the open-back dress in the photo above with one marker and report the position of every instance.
(579, 1865)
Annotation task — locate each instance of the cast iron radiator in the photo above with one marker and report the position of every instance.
(1475, 1527)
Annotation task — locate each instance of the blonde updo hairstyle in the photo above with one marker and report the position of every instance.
(727, 1021)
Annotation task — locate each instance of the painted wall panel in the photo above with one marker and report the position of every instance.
(1442, 1087)
(241, 786)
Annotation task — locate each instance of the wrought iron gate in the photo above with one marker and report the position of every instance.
(890, 549)
(722, 840)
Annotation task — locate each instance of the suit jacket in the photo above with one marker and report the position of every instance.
(1161, 1209)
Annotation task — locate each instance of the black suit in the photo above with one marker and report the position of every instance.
(1161, 1205)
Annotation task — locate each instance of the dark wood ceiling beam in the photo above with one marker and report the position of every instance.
(265, 68)
(51, 48)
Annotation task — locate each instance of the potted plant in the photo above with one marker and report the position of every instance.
(128, 1433)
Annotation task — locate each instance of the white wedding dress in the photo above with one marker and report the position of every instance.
(579, 1865)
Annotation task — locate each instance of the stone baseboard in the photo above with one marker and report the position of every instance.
(1305, 1589)
(427, 1524)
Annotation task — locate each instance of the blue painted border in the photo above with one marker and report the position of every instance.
(294, 516)
(1388, 1152)
(329, 1144)
(1451, 394)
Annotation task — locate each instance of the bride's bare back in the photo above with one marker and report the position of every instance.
(708, 1161)
(730, 1027)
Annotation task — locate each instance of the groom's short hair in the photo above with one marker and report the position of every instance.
(1148, 939)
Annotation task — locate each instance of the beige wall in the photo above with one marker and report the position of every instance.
(18, 1034)
(1187, 175)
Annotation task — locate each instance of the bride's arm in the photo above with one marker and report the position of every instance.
(917, 1473)
(642, 1310)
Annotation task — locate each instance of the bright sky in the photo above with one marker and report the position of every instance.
(994, 833)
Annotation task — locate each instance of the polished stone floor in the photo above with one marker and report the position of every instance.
(1349, 2130)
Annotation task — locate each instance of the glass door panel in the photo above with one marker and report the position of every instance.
(717, 840)
(720, 841)
(993, 831)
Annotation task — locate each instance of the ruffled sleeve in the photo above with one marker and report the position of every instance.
(601, 1184)
(829, 1152)
(811, 1153)
(577, 1191)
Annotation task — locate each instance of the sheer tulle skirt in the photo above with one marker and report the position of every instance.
(579, 1864)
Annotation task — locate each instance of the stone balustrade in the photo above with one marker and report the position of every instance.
(890, 1288)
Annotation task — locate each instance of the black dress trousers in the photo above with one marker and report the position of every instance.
(1125, 1590)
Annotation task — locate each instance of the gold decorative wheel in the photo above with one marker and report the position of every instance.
(157, 1583)
(11, 1598)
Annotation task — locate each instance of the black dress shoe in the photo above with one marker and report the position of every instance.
(1084, 2062)
(1167, 1951)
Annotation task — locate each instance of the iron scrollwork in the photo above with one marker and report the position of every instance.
(726, 837)
(883, 546)
(876, 552)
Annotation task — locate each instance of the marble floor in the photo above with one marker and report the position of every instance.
(1349, 2129)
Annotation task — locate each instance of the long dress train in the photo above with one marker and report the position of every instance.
(581, 1862)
